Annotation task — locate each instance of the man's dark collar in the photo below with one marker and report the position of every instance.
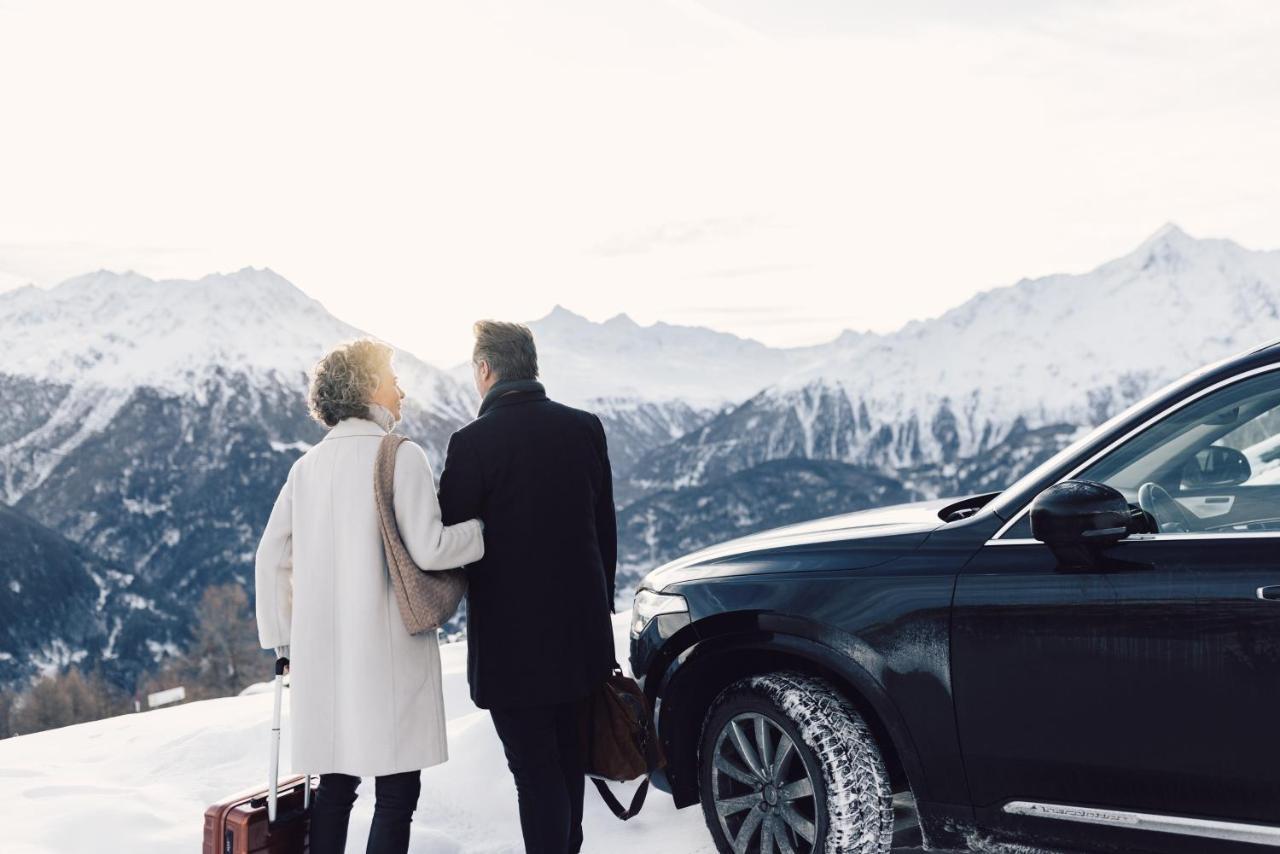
(512, 391)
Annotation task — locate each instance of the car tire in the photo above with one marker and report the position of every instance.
(822, 788)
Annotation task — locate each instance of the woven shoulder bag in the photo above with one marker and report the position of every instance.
(427, 599)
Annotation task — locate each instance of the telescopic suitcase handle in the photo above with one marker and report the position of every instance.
(273, 783)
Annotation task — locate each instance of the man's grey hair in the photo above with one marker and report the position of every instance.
(507, 348)
(343, 381)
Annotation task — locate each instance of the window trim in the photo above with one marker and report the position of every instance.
(1142, 538)
(996, 538)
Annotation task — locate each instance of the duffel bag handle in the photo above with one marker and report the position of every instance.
(637, 800)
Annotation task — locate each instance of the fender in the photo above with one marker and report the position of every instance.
(682, 681)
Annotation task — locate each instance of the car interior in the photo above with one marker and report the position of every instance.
(1211, 467)
(1213, 471)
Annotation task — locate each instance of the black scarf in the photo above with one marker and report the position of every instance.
(505, 387)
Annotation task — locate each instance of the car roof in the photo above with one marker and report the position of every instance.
(1273, 344)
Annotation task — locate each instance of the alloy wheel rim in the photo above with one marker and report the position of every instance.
(762, 791)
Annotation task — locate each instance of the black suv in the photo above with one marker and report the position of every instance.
(1089, 659)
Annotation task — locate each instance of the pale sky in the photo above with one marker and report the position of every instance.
(782, 169)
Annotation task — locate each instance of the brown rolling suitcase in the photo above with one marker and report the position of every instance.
(269, 820)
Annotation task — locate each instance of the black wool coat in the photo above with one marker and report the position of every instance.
(539, 601)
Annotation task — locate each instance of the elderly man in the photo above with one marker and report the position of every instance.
(539, 635)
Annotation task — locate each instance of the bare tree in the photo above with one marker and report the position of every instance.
(224, 657)
(222, 660)
(6, 710)
(64, 699)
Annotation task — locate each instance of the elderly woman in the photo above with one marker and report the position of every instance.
(366, 695)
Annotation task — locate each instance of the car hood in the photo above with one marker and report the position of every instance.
(856, 540)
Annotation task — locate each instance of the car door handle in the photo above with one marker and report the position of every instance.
(1272, 592)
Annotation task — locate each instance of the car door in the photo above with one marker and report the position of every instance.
(1150, 682)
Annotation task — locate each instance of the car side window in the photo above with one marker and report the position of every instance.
(1019, 530)
(1212, 466)
(1258, 460)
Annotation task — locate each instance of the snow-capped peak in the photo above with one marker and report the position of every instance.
(84, 349)
(1170, 247)
(621, 321)
(1169, 234)
(561, 317)
(123, 330)
(582, 361)
(1059, 349)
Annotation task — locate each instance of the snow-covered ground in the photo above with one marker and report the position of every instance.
(140, 783)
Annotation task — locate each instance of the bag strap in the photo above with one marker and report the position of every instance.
(637, 800)
(384, 473)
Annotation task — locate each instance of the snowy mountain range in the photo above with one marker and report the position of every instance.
(937, 395)
(61, 604)
(151, 422)
(622, 360)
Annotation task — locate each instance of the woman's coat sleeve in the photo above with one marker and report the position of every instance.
(431, 543)
(273, 572)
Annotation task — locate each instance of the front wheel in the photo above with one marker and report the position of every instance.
(788, 766)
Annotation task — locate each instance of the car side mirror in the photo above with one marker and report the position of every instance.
(1216, 465)
(1078, 518)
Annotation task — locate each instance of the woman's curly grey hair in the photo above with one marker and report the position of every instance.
(343, 380)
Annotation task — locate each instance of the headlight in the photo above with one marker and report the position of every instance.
(649, 604)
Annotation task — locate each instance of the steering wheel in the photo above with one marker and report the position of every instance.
(1171, 517)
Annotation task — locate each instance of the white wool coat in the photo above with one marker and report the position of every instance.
(365, 695)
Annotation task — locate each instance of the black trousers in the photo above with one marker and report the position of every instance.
(545, 754)
(397, 798)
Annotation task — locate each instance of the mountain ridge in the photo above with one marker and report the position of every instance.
(1060, 350)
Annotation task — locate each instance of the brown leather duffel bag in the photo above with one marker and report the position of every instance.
(622, 743)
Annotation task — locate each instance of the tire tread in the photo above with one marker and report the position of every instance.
(859, 798)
